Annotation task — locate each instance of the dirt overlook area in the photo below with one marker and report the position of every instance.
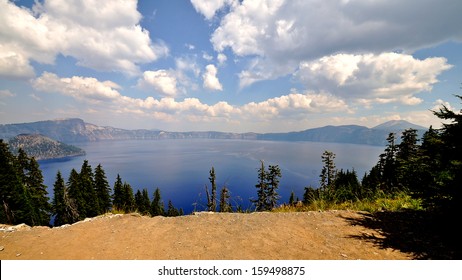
(328, 235)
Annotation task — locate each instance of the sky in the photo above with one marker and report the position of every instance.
(229, 65)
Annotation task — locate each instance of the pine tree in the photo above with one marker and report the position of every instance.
(212, 200)
(371, 181)
(118, 200)
(36, 206)
(58, 200)
(157, 206)
(75, 193)
(171, 210)
(389, 166)
(292, 198)
(30, 214)
(431, 166)
(408, 161)
(63, 207)
(22, 165)
(139, 202)
(14, 197)
(38, 192)
(347, 186)
(128, 198)
(146, 202)
(451, 158)
(260, 202)
(142, 202)
(328, 171)
(273, 176)
(87, 183)
(225, 206)
(268, 183)
(103, 190)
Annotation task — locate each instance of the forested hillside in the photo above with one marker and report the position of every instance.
(41, 147)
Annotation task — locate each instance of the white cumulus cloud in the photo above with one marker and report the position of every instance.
(296, 106)
(163, 81)
(80, 88)
(280, 34)
(369, 78)
(104, 97)
(208, 8)
(210, 78)
(101, 35)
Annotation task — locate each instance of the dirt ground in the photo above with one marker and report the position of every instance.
(329, 235)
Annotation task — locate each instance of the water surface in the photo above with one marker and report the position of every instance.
(180, 168)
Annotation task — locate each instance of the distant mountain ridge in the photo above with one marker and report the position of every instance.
(398, 125)
(76, 130)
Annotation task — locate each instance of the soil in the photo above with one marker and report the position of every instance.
(329, 235)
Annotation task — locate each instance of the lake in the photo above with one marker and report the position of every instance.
(180, 168)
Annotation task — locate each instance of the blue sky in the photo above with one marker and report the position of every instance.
(228, 65)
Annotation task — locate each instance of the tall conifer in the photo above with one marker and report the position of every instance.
(87, 183)
(59, 207)
(103, 190)
(157, 205)
(117, 203)
(75, 193)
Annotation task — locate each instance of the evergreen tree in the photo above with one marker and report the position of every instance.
(58, 206)
(292, 198)
(146, 202)
(273, 176)
(87, 183)
(128, 198)
(118, 200)
(431, 176)
(225, 206)
(38, 193)
(63, 207)
(30, 214)
(212, 200)
(142, 202)
(103, 190)
(260, 202)
(75, 193)
(268, 183)
(139, 201)
(22, 165)
(408, 161)
(171, 210)
(14, 196)
(35, 192)
(157, 206)
(347, 186)
(451, 158)
(328, 171)
(371, 182)
(389, 166)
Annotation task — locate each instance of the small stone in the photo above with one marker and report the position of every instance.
(2, 248)
(18, 254)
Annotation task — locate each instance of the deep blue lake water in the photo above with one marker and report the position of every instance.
(180, 168)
